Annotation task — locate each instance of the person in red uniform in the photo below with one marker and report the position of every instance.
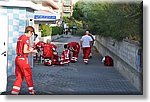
(40, 44)
(75, 48)
(39, 48)
(56, 60)
(23, 69)
(86, 43)
(65, 56)
(90, 56)
(48, 53)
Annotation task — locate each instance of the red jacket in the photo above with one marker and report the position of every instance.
(40, 44)
(22, 40)
(66, 54)
(47, 50)
(74, 46)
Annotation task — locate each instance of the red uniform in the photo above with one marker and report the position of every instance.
(75, 47)
(22, 66)
(86, 53)
(39, 47)
(55, 54)
(40, 44)
(86, 47)
(48, 54)
(65, 57)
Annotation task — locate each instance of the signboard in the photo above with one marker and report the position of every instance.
(44, 17)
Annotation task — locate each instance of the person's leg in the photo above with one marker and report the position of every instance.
(86, 59)
(90, 55)
(77, 53)
(85, 55)
(73, 57)
(19, 78)
(28, 77)
(88, 51)
(62, 60)
(76, 56)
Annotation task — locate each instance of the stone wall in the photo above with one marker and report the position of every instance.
(126, 57)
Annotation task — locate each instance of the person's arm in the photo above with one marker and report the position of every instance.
(91, 43)
(26, 50)
(81, 43)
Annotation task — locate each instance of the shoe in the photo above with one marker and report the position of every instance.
(90, 56)
(32, 93)
(86, 63)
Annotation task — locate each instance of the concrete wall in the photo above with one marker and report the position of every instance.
(125, 56)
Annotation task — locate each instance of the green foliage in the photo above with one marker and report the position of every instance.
(72, 22)
(118, 20)
(46, 30)
(78, 10)
(57, 30)
(80, 32)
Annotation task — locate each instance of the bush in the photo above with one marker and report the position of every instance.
(80, 32)
(46, 30)
(57, 30)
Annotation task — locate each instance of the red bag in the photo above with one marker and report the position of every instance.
(108, 61)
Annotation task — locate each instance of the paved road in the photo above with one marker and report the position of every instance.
(77, 78)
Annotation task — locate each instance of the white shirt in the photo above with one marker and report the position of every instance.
(86, 41)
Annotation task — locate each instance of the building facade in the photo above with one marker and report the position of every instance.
(67, 8)
(18, 16)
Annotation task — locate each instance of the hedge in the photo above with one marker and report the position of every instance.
(48, 30)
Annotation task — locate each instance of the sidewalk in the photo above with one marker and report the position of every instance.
(77, 78)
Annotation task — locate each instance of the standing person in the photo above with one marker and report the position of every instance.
(23, 68)
(92, 43)
(86, 43)
(75, 48)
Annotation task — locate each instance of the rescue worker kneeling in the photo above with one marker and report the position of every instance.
(39, 48)
(65, 56)
(56, 59)
(50, 54)
(74, 47)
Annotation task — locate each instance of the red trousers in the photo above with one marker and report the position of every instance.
(75, 56)
(86, 53)
(22, 71)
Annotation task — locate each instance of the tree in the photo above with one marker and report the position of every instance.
(118, 20)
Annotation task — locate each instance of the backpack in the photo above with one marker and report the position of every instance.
(108, 61)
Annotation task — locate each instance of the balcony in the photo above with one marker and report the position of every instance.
(67, 11)
(67, 3)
